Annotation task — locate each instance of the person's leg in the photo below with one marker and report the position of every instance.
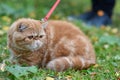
(108, 6)
(95, 5)
(103, 10)
(100, 13)
(98, 5)
(105, 5)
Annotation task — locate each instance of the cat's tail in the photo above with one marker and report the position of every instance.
(64, 63)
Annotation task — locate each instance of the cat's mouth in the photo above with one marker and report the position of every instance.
(35, 46)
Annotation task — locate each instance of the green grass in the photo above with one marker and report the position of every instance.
(106, 40)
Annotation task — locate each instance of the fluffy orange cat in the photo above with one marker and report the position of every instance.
(59, 46)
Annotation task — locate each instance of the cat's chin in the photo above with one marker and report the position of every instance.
(34, 50)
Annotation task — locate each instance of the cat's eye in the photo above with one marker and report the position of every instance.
(30, 37)
(41, 36)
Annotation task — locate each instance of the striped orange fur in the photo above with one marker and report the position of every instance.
(59, 46)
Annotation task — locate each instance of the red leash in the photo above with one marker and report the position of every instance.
(51, 10)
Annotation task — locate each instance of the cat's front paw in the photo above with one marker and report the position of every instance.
(55, 65)
(51, 65)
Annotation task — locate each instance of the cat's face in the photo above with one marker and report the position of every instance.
(27, 34)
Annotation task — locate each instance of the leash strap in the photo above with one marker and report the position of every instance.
(51, 11)
(45, 23)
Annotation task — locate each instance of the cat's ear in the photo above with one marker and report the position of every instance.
(21, 27)
(44, 25)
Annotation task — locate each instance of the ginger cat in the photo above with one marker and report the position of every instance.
(59, 46)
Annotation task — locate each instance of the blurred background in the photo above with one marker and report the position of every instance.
(106, 40)
(11, 10)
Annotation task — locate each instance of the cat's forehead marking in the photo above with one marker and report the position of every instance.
(42, 32)
(34, 34)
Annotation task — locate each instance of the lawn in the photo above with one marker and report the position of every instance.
(106, 41)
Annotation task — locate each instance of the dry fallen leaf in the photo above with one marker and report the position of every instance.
(95, 39)
(96, 65)
(49, 78)
(102, 27)
(117, 74)
(56, 16)
(32, 14)
(68, 78)
(5, 28)
(1, 32)
(106, 46)
(6, 18)
(93, 73)
(2, 67)
(2, 79)
(114, 30)
(108, 28)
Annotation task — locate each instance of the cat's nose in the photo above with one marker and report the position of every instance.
(36, 38)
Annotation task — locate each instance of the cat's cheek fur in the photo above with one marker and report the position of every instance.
(27, 40)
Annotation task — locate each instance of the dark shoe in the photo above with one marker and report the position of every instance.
(84, 17)
(99, 21)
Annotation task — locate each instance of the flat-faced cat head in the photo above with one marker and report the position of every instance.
(27, 34)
